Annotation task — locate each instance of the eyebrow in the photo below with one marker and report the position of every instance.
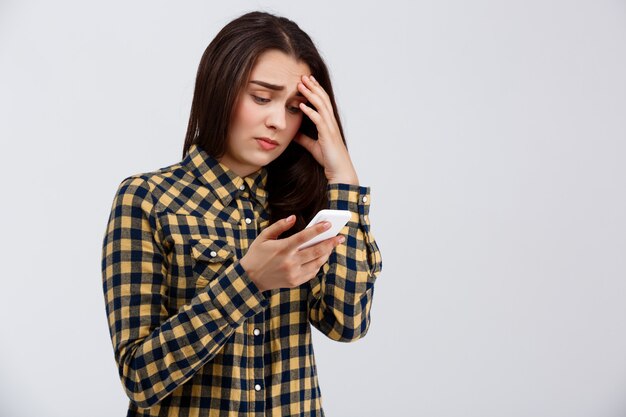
(273, 86)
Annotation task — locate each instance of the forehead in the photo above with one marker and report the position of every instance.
(276, 67)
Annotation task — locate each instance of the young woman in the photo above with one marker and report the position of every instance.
(208, 299)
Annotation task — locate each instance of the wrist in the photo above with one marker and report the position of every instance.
(345, 176)
(250, 272)
(344, 180)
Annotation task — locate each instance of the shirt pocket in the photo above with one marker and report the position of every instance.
(188, 241)
(209, 259)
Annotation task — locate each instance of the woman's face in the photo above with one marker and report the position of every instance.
(268, 107)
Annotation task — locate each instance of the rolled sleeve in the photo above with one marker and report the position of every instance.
(341, 294)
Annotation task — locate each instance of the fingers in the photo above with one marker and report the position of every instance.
(312, 114)
(305, 235)
(310, 268)
(316, 96)
(319, 250)
(323, 115)
(275, 230)
(311, 83)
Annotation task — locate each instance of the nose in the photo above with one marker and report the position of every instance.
(277, 118)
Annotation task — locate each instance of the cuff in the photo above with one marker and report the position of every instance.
(355, 198)
(236, 295)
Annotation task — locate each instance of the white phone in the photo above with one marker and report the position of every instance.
(337, 218)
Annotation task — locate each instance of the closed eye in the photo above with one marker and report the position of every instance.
(259, 100)
(295, 110)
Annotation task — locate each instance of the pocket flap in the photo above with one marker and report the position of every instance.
(210, 250)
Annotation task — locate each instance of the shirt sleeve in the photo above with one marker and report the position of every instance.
(155, 351)
(341, 294)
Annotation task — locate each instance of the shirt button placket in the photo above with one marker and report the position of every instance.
(249, 226)
(257, 346)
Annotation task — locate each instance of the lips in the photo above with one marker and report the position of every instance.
(268, 140)
(266, 144)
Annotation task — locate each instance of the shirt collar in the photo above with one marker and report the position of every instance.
(221, 180)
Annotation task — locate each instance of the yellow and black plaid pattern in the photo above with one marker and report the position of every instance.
(192, 334)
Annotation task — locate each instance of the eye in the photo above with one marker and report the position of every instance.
(260, 99)
(295, 110)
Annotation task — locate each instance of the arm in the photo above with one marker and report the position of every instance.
(341, 294)
(156, 353)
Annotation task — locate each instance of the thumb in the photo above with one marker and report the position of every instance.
(276, 229)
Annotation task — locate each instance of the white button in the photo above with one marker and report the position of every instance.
(365, 199)
(257, 387)
(213, 254)
(257, 332)
(243, 187)
(248, 220)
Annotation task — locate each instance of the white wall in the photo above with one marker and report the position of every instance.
(492, 133)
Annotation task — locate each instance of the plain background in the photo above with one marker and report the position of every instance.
(492, 135)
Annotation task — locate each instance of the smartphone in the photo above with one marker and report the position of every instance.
(337, 218)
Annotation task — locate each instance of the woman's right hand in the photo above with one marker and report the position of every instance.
(277, 263)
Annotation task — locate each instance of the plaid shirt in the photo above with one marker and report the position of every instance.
(192, 334)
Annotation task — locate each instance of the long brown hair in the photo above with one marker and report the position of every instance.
(296, 182)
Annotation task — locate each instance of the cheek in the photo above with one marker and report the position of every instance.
(247, 114)
(296, 122)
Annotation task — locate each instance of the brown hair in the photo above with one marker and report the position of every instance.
(296, 182)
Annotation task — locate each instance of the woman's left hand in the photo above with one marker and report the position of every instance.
(329, 149)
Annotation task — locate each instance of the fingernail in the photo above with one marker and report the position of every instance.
(326, 225)
(342, 239)
(290, 218)
(312, 79)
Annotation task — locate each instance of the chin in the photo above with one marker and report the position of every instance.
(260, 160)
(267, 157)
